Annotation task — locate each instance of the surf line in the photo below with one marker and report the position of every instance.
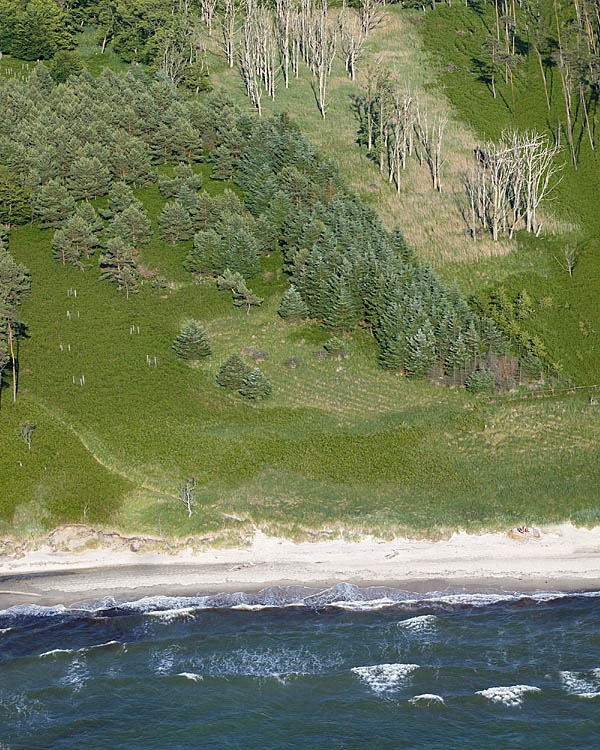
(20, 593)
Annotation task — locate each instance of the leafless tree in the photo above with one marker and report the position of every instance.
(228, 23)
(284, 17)
(25, 432)
(352, 37)
(207, 12)
(187, 495)
(509, 182)
(431, 139)
(568, 260)
(323, 44)
(371, 14)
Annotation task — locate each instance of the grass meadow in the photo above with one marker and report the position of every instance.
(340, 446)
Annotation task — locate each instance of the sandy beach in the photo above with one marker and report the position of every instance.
(560, 558)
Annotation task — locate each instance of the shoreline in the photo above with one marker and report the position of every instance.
(562, 558)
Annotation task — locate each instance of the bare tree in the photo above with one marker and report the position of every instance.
(352, 37)
(568, 260)
(509, 182)
(431, 140)
(25, 432)
(323, 43)
(229, 29)
(284, 17)
(187, 495)
(207, 12)
(371, 14)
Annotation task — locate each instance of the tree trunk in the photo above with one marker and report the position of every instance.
(12, 358)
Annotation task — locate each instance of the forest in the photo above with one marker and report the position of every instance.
(155, 182)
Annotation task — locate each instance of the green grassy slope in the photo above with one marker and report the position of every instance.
(338, 442)
(568, 313)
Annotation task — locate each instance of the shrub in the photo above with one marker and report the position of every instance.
(232, 372)
(256, 385)
(192, 342)
(336, 348)
(480, 380)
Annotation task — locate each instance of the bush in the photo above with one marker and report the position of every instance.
(256, 385)
(480, 380)
(336, 348)
(232, 372)
(192, 342)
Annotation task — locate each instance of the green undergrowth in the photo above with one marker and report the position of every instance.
(567, 313)
(340, 443)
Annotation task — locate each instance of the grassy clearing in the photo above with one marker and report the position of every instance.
(339, 444)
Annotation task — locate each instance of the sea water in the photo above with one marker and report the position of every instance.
(299, 668)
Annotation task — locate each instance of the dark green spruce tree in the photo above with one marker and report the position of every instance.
(192, 342)
(256, 386)
(292, 305)
(232, 372)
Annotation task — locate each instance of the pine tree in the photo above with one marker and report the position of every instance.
(458, 357)
(421, 351)
(174, 222)
(132, 225)
(394, 353)
(88, 178)
(223, 164)
(191, 342)
(86, 212)
(53, 204)
(15, 284)
(118, 266)
(14, 199)
(73, 241)
(342, 312)
(256, 385)
(292, 305)
(120, 197)
(480, 380)
(232, 372)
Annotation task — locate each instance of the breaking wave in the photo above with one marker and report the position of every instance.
(509, 695)
(385, 678)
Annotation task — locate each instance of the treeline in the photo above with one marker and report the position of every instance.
(69, 143)
(347, 269)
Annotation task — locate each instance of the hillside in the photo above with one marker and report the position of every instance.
(340, 443)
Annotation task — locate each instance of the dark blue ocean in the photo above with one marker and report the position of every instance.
(298, 668)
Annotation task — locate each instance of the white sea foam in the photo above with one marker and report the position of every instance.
(509, 695)
(2, 631)
(190, 676)
(420, 624)
(82, 650)
(275, 663)
(427, 698)
(359, 604)
(585, 684)
(383, 678)
(169, 615)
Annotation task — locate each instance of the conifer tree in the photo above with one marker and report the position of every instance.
(174, 222)
(256, 385)
(132, 225)
(459, 356)
(343, 312)
(14, 199)
(118, 266)
(421, 351)
(393, 354)
(73, 241)
(192, 342)
(232, 372)
(292, 305)
(120, 197)
(88, 178)
(86, 212)
(53, 204)
(15, 284)
(223, 164)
